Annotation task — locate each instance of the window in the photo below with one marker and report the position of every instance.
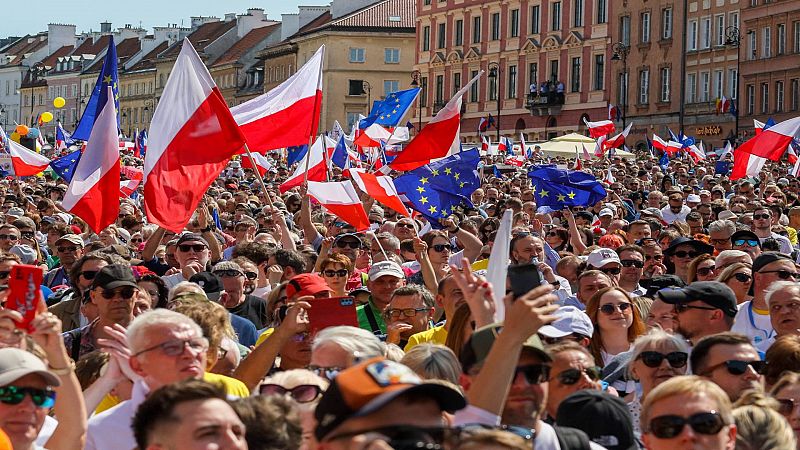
(602, 11)
(535, 18)
(423, 94)
(473, 89)
(391, 56)
(691, 88)
(390, 86)
(457, 82)
(764, 98)
(599, 72)
(705, 86)
(623, 89)
(733, 79)
(495, 26)
(356, 87)
(666, 23)
(796, 40)
(513, 26)
(718, 84)
(441, 36)
(665, 83)
(512, 81)
(459, 38)
(691, 36)
(554, 70)
(751, 99)
(645, 17)
(577, 13)
(493, 87)
(575, 81)
(766, 48)
(719, 29)
(753, 45)
(8, 87)
(781, 37)
(795, 102)
(439, 89)
(625, 29)
(533, 75)
(476, 29)
(357, 55)
(779, 96)
(426, 38)
(353, 117)
(733, 19)
(705, 32)
(555, 16)
(644, 86)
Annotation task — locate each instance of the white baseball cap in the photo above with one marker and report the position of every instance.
(570, 320)
(602, 256)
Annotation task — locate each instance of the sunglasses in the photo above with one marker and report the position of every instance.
(685, 254)
(654, 359)
(551, 234)
(405, 312)
(571, 376)
(783, 274)
(138, 240)
(335, 273)
(570, 337)
(705, 271)
(761, 216)
(404, 225)
(13, 395)
(352, 244)
(303, 393)
(439, 248)
(534, 373)
(197, 248)
(125, 293)
(610, 308)
(329, 373)
(787, 405)
(632, 263)
(670, 426)
(747, 242)
(612, 270)
(10, 237)
(656, 257)
(251, 275)
(88, 274)
(737, 367)
(228, 273)
(742, 277)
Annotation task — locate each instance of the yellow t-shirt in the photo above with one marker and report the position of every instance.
(435, 335)
(263, 336)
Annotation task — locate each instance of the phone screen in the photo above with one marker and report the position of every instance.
(523, 278)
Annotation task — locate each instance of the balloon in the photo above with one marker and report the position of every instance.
(59, 102)
(33, 133)
(22, 130)
(47, 116)
(15, 137)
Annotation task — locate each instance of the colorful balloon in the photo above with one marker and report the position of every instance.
(59, 102)
(33, 133)
(47, 116)
(15, 137)
(22, 130)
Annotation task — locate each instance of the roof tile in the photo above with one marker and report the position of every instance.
(247, 42)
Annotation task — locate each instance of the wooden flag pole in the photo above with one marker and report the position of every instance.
(258, 175)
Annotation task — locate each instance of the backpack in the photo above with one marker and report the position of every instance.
(572, 438)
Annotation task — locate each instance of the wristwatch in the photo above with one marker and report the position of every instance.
(206, 229)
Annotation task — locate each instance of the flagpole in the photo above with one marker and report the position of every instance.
(258, 175)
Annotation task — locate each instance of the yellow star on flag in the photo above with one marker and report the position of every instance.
(420, 189)
(571, 194)
(423, 200)
(561, 197)
(462, 184)
(448, 171)
(457, 175)
(543, 193)
(432, 209)
(435, 172)
(107, 79)
(423, 180)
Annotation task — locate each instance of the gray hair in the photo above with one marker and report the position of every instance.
(730, 255)
(389, 242)
(778, 286)
(184, 286)
(355, 341)
(656, 338)
(157, 318)
(416, 289)
(722, 225)
(227, 265)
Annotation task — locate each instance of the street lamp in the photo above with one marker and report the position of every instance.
(620, 53)
(415, 82)
(366, 88)
(36, 70)
(733, 37)
(494, 75)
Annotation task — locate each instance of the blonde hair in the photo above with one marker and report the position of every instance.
(433, 361)
(688, 386)
(759, 428)
(657, 339)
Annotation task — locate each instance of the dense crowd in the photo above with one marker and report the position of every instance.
(667, 316)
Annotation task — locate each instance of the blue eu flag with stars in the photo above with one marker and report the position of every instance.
(108, 77)
(560, 188)
(65, 166)
(436, 190)
(295, 154)
(390, 111)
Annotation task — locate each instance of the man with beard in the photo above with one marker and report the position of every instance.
(702, 308)
(675, 210)
(68, 248)
(192, 254)
(762, 227)
(233, 297)
(730, 361)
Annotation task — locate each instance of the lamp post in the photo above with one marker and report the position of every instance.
(415, 82)
(366, 88)
(620, 53)
(2, 120)
(36, 70)
(733, 37)
(494, 75)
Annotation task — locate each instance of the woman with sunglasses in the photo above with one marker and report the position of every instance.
(336, 270)
(616, 323)
(738, 276)
(701, 269)
(305, 388)
(656, 357)
(557, 238)
(787, 392)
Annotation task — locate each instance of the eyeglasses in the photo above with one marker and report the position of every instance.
(125, 293)
(14, 395)
(632, 263)
(228, 273)
(747, 242)
(534, 373)
(737, 367)
(407, 312)
(610, 308)
(303, 393)
(683, 307)
(551, 234)
(344, 244)
(137, 240)
(197, 248)
(251, 275)
(439, 248)
(705, 271)
(70, 249)
(670, 426)
(787, 405)
(176, 347)
(654, 359)
(571, 376)
(4, 274)
(404, 225)
(329, 373)
(612, 270)
(88, 274)
(656, 257)
(685, 254)
(761, 216)
(742, 277)
(570, 337)
(335, 273)
(783, 274)
(10, 237)
(792, 307)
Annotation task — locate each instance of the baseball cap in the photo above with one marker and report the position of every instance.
(71, 238)
(768, 258)
(306, 284)
(614, 432)
(367, 387)
(190, 237)
(382, 268)
(16, 363)
(113, 276)
(653, 212)
(570, 320)
(481, 341)
(727, 215)
(16, 212)
(211, 284)
(602, 256)
(693, 198)
(26, 253)
(655, 284)
(746, 234)
(352, 236)
(712, 293)
(606, 212)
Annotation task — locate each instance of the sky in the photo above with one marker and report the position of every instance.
(87, 14)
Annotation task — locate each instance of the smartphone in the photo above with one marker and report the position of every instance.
(331, 312)
(523, 278)
(24, 295)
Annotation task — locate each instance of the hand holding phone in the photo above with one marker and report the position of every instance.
(524, 278)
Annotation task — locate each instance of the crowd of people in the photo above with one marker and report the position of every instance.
(668, 317)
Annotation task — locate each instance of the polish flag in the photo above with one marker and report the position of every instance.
(340, 198)
(746, 164)
(192, 138)
(609, 177)
(25, 162)
(696, 152)
(772, 142)
(618, 140)
(127, 187)
(93, 193)
(659, 143)
(758, 126)
(439, 138)
(263, 164)
(795, 169)
(288, 114)
(485, 144)
(600, 146)
(601, 128)
(381, 188)
(791, 154)
(515, 160)
(504, 146)
(314, 160)
(586, 155)
(673, 147)
(374, 135)
(728, 149)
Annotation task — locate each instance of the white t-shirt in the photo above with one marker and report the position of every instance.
(757, 327)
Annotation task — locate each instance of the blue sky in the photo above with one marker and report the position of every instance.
(87, 14)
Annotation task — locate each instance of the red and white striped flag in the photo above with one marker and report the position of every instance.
(340, 198)
(381, 188)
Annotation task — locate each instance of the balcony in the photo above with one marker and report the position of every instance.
(549, 104)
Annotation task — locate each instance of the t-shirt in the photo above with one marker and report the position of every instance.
(253, 309)
(435, 335)
(245, 330)
(377, 315)
(754, 324)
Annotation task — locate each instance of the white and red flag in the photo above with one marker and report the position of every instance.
(659, 143)
(192, 137)
(772, 142)
(26, 162)
(314, 162)
(586, 155)
(288, 115)
(263, 164)
(600, 128)
(93, 193)
(617, 140)
(381, 188)
(485, 144)
(340, 198)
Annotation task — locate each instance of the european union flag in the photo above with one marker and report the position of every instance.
(295, 154)
(560, 188)
(107, 77)
(436, 190)
(65, 166)
(339, 157)
(391, 110)
(664, 160)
